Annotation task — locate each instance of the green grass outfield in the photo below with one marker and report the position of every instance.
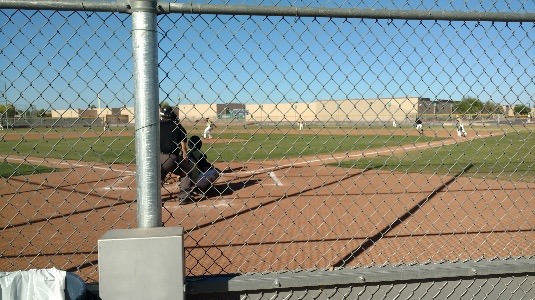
(240, 146)
(507, 156)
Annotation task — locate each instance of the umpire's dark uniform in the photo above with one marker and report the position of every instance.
(171, 156)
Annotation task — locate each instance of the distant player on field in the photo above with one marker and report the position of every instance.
(419, 125)
(208, 131)
(460, 129)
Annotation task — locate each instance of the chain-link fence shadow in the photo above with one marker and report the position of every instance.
(323, 164)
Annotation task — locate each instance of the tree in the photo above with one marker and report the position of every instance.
(492, 108)
(521, 109)
(469, 105)
(164, 104)
(11, 111)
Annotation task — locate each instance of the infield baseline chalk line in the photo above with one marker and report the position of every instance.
(375, 152)
(119, 185)
(220, 203)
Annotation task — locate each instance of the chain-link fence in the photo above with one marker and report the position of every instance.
(322, 162)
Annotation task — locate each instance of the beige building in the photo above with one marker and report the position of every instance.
(67, 113)
(350, 110)
(121, 115)
(195, 112)
(379, 110)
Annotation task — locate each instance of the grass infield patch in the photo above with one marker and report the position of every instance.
(9, 170)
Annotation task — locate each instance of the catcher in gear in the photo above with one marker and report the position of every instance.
(203, 173)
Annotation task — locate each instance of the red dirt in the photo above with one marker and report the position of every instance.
(270, 216)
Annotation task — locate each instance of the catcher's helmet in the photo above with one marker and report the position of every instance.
(168, 113)
(195, 142)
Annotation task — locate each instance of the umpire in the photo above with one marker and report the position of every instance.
(173, 149)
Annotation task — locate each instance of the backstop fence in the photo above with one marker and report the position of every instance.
(324, 175)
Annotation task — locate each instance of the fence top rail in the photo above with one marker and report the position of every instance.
(189, 8)
(66, 5)
(129, 6)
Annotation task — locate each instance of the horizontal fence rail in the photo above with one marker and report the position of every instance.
(262, 10)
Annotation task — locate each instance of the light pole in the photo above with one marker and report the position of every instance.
(5, 109)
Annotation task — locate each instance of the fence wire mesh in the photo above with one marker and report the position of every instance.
(323, 164)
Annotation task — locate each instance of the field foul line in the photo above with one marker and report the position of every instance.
(35, 161)
(371, 152)
(217, 204)
(118, 185)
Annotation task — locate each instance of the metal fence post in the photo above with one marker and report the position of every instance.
(145, 53)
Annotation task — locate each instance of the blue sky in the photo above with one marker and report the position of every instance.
(61, 59)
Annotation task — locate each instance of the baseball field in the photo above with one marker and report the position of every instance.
(323, 197)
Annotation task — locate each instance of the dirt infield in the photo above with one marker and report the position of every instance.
(272, 215)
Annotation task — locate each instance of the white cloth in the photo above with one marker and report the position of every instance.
(33, 284)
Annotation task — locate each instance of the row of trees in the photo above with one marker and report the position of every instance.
(10, 111)
(471, 105)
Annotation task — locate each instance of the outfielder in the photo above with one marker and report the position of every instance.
(107, 127)
(460, 129)
(419, 125)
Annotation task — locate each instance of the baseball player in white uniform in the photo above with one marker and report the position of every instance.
(460, 129)
(208, 131)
